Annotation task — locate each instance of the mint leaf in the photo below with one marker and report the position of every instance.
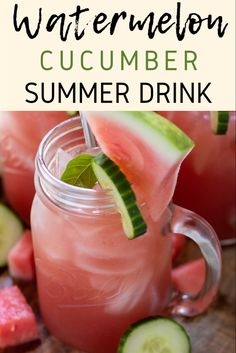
(79, 172)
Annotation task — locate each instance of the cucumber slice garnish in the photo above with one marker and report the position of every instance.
(155, 335)
(10, 231)
(73, 113)
(110, 177)
(219, 122)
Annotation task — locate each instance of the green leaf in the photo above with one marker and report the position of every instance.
(79, 172)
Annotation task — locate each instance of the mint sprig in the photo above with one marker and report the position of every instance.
(79, 172)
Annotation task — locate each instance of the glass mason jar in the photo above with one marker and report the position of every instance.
(206, 182)
(20, 135)
(92, 281)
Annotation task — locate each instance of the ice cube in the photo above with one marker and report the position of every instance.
(131, 292)
(97, 187)
(62, 158)
(76, 151)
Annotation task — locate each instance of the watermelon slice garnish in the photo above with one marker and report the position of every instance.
(147, 148)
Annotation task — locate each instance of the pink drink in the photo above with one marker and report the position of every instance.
(20, 135)
(206, 182)
(92, 281)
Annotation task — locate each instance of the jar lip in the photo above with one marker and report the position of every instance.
(52, 180)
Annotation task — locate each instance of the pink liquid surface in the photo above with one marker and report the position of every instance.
(206, 182)
(93, 282)
(20, 135)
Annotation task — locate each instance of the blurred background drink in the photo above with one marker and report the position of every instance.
(20, 135)
(206, 182)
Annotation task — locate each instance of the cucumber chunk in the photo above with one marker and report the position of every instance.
(219, 122)
(110, 177)
(11, 229)
(155, 335)
(72, 113)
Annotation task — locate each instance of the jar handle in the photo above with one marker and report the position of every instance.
(200, 231)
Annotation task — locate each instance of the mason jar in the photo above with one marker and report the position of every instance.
(92, 281)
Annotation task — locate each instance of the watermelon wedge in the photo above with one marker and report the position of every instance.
(178, 242)
(17, 320)
(189, 277)
(21, 258)
(147, 148)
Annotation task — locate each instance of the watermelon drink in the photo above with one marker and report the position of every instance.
(206, 183)
(93, 281)
(89, 289)
(20, 135)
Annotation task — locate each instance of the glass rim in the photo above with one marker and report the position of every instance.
(50, 181)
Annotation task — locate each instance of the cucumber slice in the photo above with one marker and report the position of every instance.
(10, 231)
(219, 122)
(110, 177)
(72, 113)
(155, 335)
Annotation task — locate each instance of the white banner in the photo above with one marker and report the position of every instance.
(117, 55)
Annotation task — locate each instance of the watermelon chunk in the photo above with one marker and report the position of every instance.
(17, 320)
(189, 277)
(147, 148)
(21, 258)
(178, 242)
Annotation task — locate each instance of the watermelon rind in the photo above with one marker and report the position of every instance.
(157, 132)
